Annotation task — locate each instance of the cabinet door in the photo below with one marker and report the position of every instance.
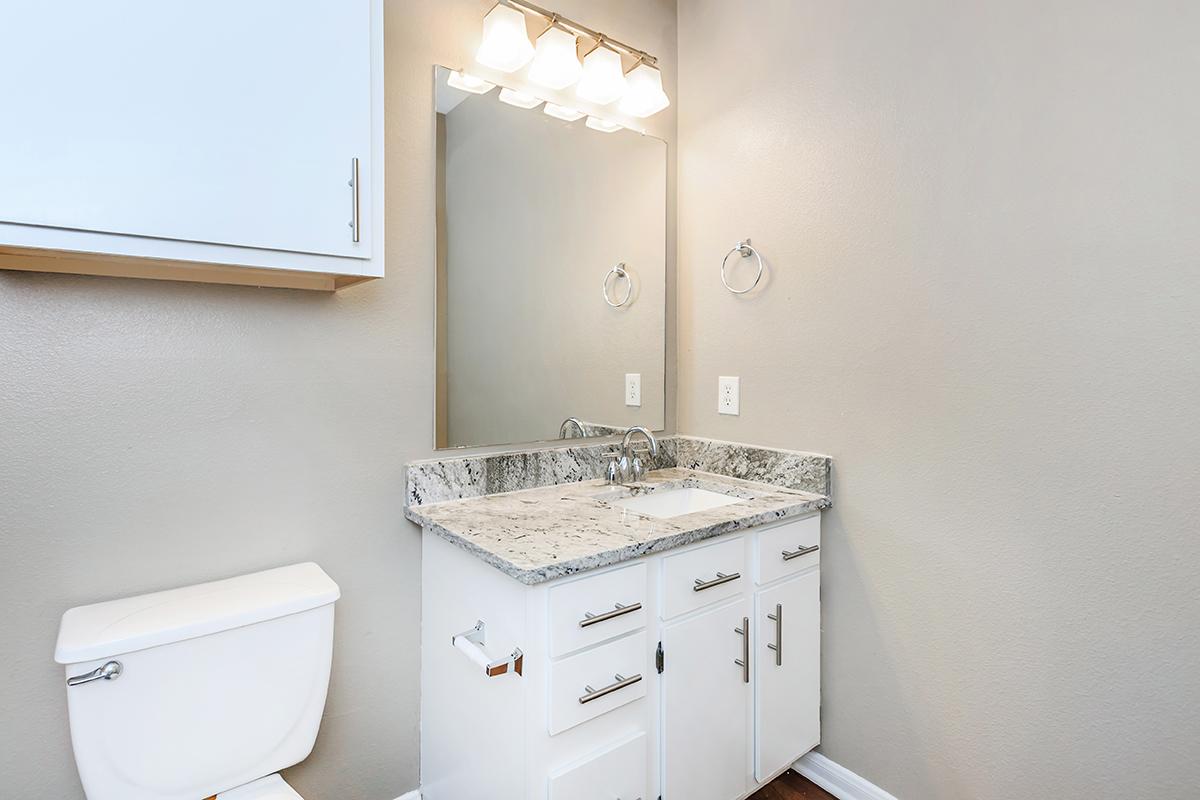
(221, 121)
(705, 705)
(787, 690)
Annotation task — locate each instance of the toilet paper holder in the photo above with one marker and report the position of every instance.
(470, 643)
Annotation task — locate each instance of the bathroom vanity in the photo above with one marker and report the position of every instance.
(583, 640)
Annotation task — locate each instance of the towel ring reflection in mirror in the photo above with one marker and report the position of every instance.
(620, 272)
(746, 251)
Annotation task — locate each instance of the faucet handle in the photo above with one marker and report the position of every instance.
(636, 470)
(612, 473)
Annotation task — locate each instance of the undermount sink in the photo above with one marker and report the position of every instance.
(667, 503)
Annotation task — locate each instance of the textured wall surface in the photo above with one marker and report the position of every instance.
(156, 434)
(983, 303)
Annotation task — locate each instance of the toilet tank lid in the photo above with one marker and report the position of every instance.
(108, 629)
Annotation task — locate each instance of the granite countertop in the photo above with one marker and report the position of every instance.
(536, 535)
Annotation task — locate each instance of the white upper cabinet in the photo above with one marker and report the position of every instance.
(223, 132)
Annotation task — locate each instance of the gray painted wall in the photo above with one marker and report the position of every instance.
(984, 303)
(158, 434)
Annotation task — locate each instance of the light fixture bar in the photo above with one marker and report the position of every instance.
(574, 27)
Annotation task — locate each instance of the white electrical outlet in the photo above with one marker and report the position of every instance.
(729, 395)
(633, 388)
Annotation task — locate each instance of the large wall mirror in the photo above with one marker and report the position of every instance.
(551, 273)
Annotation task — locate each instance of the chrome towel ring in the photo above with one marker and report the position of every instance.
(746, 251)
(619, 271)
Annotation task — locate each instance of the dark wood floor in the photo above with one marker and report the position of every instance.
(790, 786)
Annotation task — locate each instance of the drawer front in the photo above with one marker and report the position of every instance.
(570, 701)
(788, 548)
(616, 773)
(713, 566)
(596, 608)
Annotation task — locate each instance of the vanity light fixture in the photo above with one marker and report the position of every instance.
(601, 78)
(468, 83)
(603, 125)
(555, 61)
(519, 99)
(645, 95)
(562, 112)
(603, 81)
(505, 45)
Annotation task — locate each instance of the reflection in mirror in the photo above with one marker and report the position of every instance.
(551, 272)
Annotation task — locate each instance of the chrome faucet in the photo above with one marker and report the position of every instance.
(569, 421)
(630, 466)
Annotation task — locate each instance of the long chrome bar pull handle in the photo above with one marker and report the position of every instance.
(744, 661)
(788, 555)
(109, 672)
(620, 682)
(777, 617)
(353, 184)
(721, 578)
(591, 619)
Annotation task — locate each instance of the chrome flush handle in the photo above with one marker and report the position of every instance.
(109, 672)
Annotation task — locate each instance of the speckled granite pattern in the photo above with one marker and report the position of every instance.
(809, 472)
(540, 534)
(442, 479)
(458, 477)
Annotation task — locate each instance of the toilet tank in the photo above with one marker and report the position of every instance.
(220, 683)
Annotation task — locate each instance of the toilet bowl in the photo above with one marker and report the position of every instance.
(271, 787)
(209, 690)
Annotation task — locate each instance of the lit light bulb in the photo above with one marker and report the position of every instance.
(562, 112)
(518, 99)
(505, 46)
(469, 83)
(645, 95)
(603, 125)
(555, 62)
(602, 81)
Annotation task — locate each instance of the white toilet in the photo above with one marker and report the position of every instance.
(200, 691)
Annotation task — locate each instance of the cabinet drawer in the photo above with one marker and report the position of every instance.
(570, 701)
(788, 548)
(597, 608)
(702, 576)
(618, 772)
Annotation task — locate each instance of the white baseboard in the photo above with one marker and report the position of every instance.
(837, 780)
(415, 794)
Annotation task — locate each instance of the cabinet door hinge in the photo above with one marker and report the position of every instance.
(658, 663)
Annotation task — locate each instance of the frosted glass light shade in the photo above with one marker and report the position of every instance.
(555, 62)
(645, 95)
(469, 83)
(602, 81)
(562, 112)
(518, 99)
(603, 125)
(505, 46)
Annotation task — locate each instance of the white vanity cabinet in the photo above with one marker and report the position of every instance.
(692, 674)
(190, 141)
